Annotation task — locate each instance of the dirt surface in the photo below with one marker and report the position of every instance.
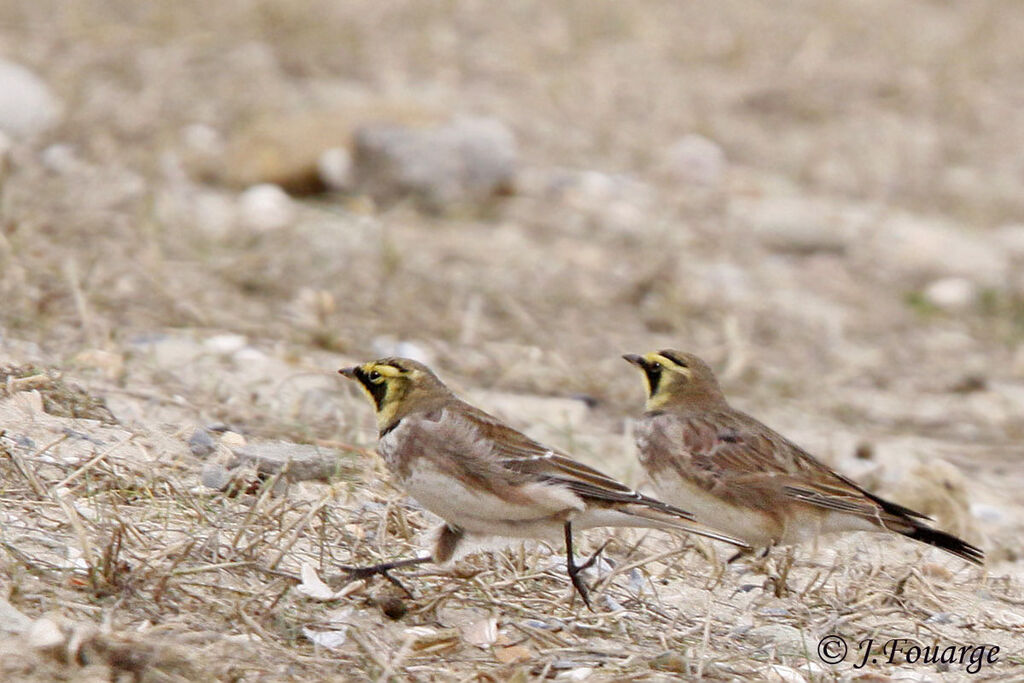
(822, 199)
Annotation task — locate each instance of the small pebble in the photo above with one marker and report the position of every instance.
(951, 293)
(201, 443)
(225, 343)
(265, 207)
(393, 607)
(232, 439)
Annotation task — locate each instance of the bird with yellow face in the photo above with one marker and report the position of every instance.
(742, 478)
(487, 480)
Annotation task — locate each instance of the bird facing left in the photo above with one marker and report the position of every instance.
(487, 480)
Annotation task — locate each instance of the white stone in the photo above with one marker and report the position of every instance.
(225, 344)
(27, 105)
(232, 439)
(332, 640)
(249, 354)
(202, 139)
(61, 158)
(265, 207)
(951, 293)
(695, 159)
(44, 633)
(334, 166)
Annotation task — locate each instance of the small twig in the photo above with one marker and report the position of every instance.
(296, 529)
(84, 468)
(36, 381)
(81, 306)
(265, 635)
(367, 649)
(268, 488)
(210, 567)
(162, 586)
(76, 525)
(396, 661)
(273, 603)
(28, 474)
(705, 640)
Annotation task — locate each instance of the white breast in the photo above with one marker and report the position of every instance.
(532, 510)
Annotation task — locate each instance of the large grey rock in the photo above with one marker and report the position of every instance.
(465, 161)
(304, 462)
(798, 225)
(27, 105)
(932, 248)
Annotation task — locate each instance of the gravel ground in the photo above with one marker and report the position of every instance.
(208, 208)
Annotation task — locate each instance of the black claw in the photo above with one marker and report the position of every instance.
(581, 588)
(738, 555)
(593, 558)
(383, 569)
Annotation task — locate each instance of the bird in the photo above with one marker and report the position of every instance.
(743, 478)
(489, 481)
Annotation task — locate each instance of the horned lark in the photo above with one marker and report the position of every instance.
(739, 476)
(487, 480)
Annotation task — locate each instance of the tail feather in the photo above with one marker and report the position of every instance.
(947, 542)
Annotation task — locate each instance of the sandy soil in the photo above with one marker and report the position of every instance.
(822, 199)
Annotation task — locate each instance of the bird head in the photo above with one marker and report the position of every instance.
(397, 387)
(677, 378)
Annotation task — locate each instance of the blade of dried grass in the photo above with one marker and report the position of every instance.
(27, 474)
(706, 639)
(265, 493)
(161, 586)
(296, 528)
(367, 649)
(211, 567)
(75, 521)
(93, 461)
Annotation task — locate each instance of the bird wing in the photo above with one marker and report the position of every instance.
(522, 455)
(733, 451)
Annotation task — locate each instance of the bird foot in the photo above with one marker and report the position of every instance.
(383, 569)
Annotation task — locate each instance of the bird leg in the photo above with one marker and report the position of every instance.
(384, 568)
(574, 570)
(746, 552)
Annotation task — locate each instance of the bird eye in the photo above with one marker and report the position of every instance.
(373, 375)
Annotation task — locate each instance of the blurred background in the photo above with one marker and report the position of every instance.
(822, 199)
(206, 208)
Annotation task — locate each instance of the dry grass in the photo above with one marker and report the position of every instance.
(114, 290)
(188, 584)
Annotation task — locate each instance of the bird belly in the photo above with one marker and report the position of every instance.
(745, 523)
(532, 510)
